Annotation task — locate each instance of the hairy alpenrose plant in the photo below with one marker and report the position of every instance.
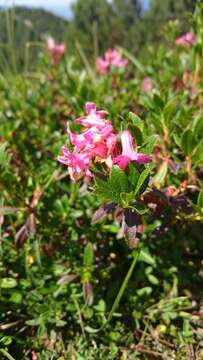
(118, 172)
(113, 162)
(120, 176)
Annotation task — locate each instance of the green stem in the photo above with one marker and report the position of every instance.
(133, 59)
(119, 296)
(6, 354)
(123, 286)
(28, 46)
(4, 61)
(79, 315)
(10, 14)
(84, 59)
(53, 177)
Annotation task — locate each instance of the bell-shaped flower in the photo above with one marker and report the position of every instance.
(88, 138)
(56, 50)
(94, 117)
(186, 40)
(78, 163)
(147, 84)
(112, 58)
(102, 66)
(128, 152)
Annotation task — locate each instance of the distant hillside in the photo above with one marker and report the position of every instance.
(29, 25)
(33, 23)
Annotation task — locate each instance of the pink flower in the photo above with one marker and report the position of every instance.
(147, 84)
(94, 117)
(186, 40)
(34, 355)
(56, 50)
(112, 58)
(78, 164)
(90, 137)
(128, 152)
(102, 66)
(95, 143)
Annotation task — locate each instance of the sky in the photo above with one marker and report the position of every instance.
(58, 7)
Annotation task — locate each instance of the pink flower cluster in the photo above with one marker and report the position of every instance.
(186, 40)
(56, 50)
(112, 58)
(147, 84)
(98, 143)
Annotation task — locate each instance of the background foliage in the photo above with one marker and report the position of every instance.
(59, 275)
(129, 25)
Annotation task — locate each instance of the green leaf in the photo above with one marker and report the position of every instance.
(16, 297)
(116, 184)
(169, 110)
(133, 174)
(150, 141)
(142, 182)
(135, 119)
(4, 157)
(8, 283)
(140, 209)
(101, 306)
(88, 255)
(100, 183)
(111, 228)
(6, 340)
(198, 155)
(153, 279)
(159, 178)
(127, 198)
(158, 101)
(33, 322)
(118, 180)
(137, 133)
(177, 140)
(90, 330)
(198, 126)
(147, 258)
(103, 190)
(61, 323)
(188, 142)
(147, 290)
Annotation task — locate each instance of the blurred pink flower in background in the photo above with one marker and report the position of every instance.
(34, 355)
(186, 40)
(147, 84)
(56, 50)
(102, 66)
(112, 58)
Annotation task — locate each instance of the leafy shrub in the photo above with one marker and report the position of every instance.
(60, 274)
